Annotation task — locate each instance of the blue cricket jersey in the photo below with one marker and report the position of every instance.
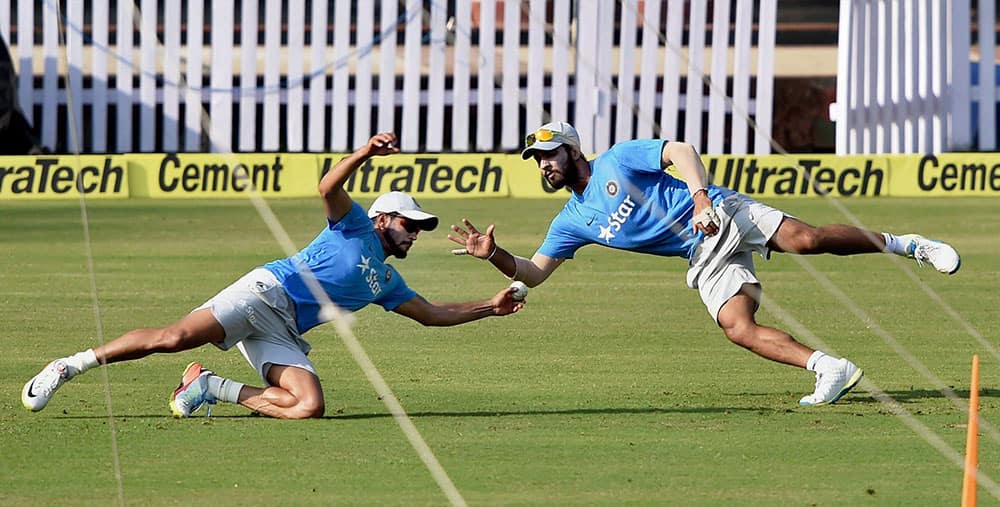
(348, 261)
(630, 203)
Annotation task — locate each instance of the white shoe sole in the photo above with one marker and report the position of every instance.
(853, 381)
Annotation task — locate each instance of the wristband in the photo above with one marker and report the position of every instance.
(494, 252)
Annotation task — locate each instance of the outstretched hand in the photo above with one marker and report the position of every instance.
(383, 143)
(504, 302)
(475, 243)
(705, 218)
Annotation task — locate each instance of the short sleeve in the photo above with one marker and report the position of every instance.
(639, 156)
(356, 219)
(560, 242)
(395, 292)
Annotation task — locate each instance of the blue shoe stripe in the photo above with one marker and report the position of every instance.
(850, 385)
(957, 266)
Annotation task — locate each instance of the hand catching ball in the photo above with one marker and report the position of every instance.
(520, 290)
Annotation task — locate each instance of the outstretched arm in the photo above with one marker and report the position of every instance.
(451, 314)
(483, 245)
(331, 187)
(688, 163)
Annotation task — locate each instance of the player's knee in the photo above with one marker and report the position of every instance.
(741, 333)
(310, 408)
(170, 339)
(807, 240)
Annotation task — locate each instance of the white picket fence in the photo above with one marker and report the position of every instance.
(323, 76)
(903, 79)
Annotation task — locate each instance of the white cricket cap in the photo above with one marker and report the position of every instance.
(402, 204)
(549, 137)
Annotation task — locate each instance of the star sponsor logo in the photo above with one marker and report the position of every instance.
(371, 275)
(616, 220)
(366, 264)
(606, 234)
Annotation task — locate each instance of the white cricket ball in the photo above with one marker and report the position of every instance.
(520, 290)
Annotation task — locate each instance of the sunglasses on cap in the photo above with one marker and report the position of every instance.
(410, 226)
(539, 136)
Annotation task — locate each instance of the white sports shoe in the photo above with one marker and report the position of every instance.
(39, 390)
(941, 255)
(834, 383)
(192, 393)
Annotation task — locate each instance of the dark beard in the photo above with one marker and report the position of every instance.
(569, 178)
(396, 251)
(390, 247)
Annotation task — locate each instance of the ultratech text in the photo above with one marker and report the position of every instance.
(744, 175)
(48, 176)
(216, 177)
(968, 176)
(424, 176)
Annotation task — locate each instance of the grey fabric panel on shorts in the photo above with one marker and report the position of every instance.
(261, 354)
(722, 264)
(255, 306)
(259, 319)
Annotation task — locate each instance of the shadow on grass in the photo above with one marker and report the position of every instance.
(853, 398)
(569, 411)
(912, 395)
(478, 413)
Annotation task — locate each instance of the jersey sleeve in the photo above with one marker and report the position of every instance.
(560, 242)
(355, 220)
(639, 156)
(395, 292)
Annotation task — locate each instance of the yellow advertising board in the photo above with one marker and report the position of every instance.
(63, 177)
(761, 176)
(193, 175)
(945, 174)
(801, 175)
(427, 175)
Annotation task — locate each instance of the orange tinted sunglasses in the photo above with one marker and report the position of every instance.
(540, 135)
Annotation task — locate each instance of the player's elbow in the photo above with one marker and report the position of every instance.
(529, 272)
(427, 321)
(674, 150)
(534, 275)
(532, 281)
(431, 319)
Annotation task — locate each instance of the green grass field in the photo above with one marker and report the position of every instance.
(612, 387)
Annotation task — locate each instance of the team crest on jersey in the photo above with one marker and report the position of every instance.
(388, 275)
(611, 188)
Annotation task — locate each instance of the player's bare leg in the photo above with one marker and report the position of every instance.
(834, 377)
(295, 393)
(736, 318)
(191, 331)
(795, 236)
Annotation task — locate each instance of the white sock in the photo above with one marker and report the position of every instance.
(896, 244)
(81, 362)
(820, 361)
(224, 389)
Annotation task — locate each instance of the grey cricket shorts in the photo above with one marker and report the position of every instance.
(722, 263)
(259, 320)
